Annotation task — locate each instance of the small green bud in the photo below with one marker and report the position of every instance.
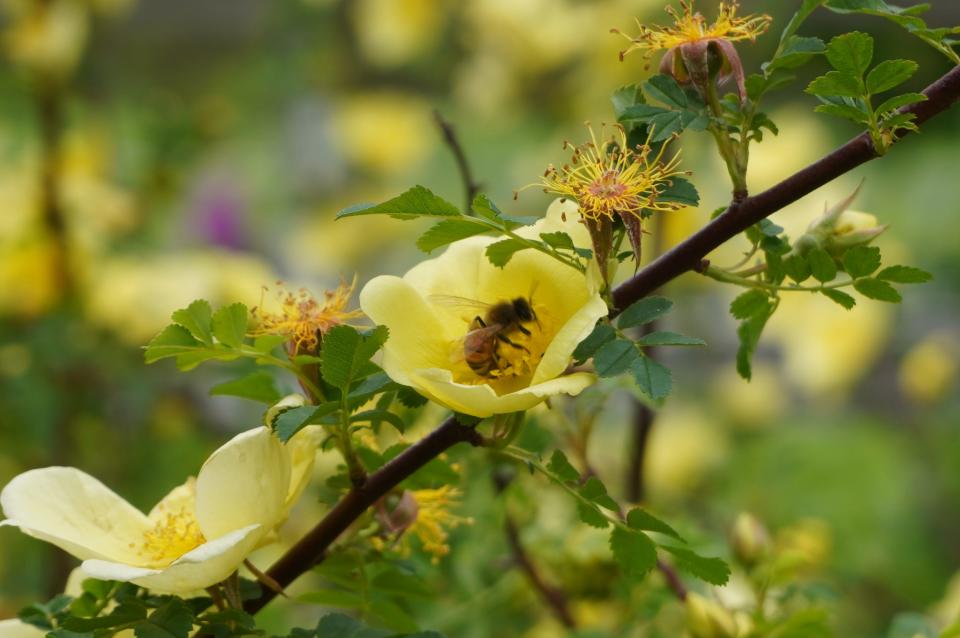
(749, 539)
(839, 229)
(708, 619)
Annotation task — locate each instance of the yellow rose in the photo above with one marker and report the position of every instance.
(194, 537)
(425, 348)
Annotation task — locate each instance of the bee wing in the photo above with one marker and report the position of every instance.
(454, 301)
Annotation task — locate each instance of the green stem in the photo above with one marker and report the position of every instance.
(736, 166)
(721, 275)
(529, 243)
(357, 474)
(286, 365)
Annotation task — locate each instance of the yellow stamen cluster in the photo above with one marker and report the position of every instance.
(690, 26)
(609, 177)
(434, 519)
(303, 319)
(175, 529)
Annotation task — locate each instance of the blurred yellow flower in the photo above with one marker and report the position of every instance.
(46, 38)
(753, 405)
(29, 283)
(194, 537)
(16, 628)
(706, 618)
(805, 544)
(426, 345)
(929, 369)
(391, 32)
(683, 449)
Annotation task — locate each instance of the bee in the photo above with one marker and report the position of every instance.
(481, 345)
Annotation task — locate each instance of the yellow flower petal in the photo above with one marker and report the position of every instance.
(245, 482)
(16, 628)
(302, 449)
(75, 512)
(206, 565)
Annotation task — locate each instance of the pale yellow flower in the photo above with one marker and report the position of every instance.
(194, 537)
(16, 628)
(47, 38)
(929, 369)
(425, 349)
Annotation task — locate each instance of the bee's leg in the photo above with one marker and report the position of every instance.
(523, 330)
(478, 321)
(504, 338)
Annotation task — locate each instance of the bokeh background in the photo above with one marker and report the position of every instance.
(200, 149)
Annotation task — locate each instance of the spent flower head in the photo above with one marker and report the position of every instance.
(425, 514)
(608, 177)
(303, 319)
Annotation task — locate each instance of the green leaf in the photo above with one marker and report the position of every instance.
(898, 101)
(380, 415)
(448, 231)
(625, 97)
(561, 468)
(796, 268)
(615, 357)
(822, 266)
(750, 303)
(653, 378)
(411, 398)
(806, 8)
(711, 570)
(291, 421)
(890, 73)
(665, 338)
(230, 324)
(749, 333)
(416, 202)
(904, 275)
(851, 53)
(845, 111)
(794, 53)
(559, 240)
(643, 520)
(913, 625)
(835, 83)
(877, 289)
(500, 252)
(839, 297)
(172, 619)
(595, 491)
(860, 261)
(602, 334)
(682, 191)
(634, 552)
(664, 88)
(196, 318)
(345, 351)
(484, 207)
(257, 386)
(644, 311)
(172, 341)
(592, 516)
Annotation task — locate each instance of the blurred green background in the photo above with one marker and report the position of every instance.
(203, 149)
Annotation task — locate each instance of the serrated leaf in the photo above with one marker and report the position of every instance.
(840, 297)
(230, 324)
(796, 268)
(664, 88)
(345, 351)
(666, 338)
(625, 97)
(595, 491)
(644, 311)
(845, 111)
(749, 333)
(794, 52)
(898, 101)
(680, 190)
(851, 53)
(291, 421)
(860, 261)
(711, 570)
(592, 516)
(257, 386)
(448, 231)
(890, 73)
(380, 415)
(615, 357)
(172, 341)
(499, 253)
(750, 303)
(561, 467)
(654, 379)
(602, 333)
(835, 83)
(173, 619)
(196, 318)
(643, 520)
(877, 289)
(416, 202)
(410, 397)
(634, 552)
(559, 240)
(822, 266)
(904, 275)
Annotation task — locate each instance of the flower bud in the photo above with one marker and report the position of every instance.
(707, 619)
(749, 539)
(839, 229)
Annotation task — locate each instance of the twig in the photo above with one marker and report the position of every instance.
(470, 187)
(673, 579)
(685, 256)
(553, 596)
(310, 549)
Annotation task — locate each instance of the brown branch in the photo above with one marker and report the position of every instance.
(673, 580)
(553, 596)
(310, 549)
(470, 187)
(742, 214)
(685, 256)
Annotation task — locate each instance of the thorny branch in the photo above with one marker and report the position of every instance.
(470, 186)
(685, 256)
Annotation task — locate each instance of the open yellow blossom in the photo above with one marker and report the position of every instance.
(609, 177)
(690, 26)
(426, 345)
(303, 319)
(194, 537)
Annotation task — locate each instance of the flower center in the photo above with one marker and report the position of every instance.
(174, 534)
(607, 186)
